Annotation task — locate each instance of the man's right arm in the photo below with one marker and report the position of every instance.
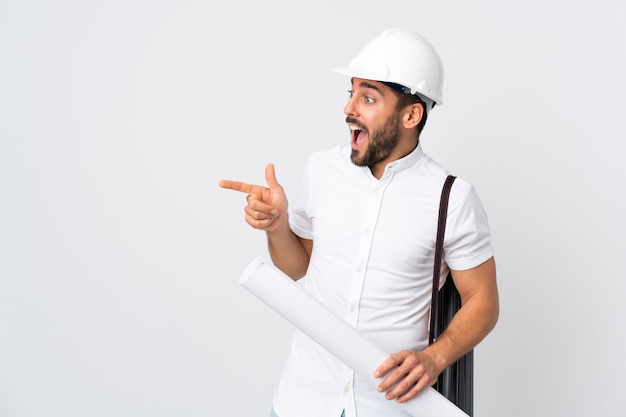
(290, 253)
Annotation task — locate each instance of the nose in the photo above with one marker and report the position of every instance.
(350, 107)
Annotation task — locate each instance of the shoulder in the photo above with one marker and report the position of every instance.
(436, 174)
(427, 177)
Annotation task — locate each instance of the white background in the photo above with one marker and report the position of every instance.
(119, 254)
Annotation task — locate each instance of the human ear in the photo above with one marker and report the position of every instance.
(413, 115)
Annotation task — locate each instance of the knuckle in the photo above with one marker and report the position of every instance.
(405, 385)
(398, 373)
(412, 360)
(252, 221)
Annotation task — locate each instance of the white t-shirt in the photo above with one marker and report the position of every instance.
(372, 263)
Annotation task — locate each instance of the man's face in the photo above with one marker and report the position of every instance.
(373, 121)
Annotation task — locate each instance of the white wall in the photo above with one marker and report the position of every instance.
(119, 255)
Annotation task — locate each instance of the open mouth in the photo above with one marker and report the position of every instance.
(358, 134)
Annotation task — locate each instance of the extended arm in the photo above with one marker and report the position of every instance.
(267, 210)
(414, 371)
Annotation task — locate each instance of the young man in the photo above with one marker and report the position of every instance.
(362, 232)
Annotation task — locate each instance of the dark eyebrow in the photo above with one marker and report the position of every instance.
(366, 84)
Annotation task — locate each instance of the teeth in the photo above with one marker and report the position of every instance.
(354, 128)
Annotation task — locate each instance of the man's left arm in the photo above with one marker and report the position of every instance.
(412, 372)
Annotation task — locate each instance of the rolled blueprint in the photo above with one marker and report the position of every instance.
(334, 334)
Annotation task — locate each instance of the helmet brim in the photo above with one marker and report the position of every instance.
(370, 75)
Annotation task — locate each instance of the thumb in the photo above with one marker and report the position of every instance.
(270, 177)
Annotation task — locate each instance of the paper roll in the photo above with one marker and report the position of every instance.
(314, 319)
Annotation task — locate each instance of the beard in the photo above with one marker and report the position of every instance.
(381, 143)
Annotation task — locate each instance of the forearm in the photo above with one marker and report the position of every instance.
(475, 319)
(469, 326)
(289, 253)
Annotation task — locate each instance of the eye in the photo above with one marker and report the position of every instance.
(366, 99)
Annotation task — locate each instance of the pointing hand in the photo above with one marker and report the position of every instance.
(267, 206)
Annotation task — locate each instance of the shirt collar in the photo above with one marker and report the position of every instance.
(406, 161)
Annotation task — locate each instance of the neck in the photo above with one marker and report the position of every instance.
(378, 169)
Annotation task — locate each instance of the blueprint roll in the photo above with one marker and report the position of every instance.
(280, 293)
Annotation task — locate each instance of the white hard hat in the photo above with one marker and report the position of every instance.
(402, 57)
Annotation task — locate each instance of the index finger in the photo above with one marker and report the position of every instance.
(236, 186)
(387, 365)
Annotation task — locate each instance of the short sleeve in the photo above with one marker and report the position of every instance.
(299, 219)
(467, 241)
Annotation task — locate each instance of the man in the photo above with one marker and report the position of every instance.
(362, 232)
